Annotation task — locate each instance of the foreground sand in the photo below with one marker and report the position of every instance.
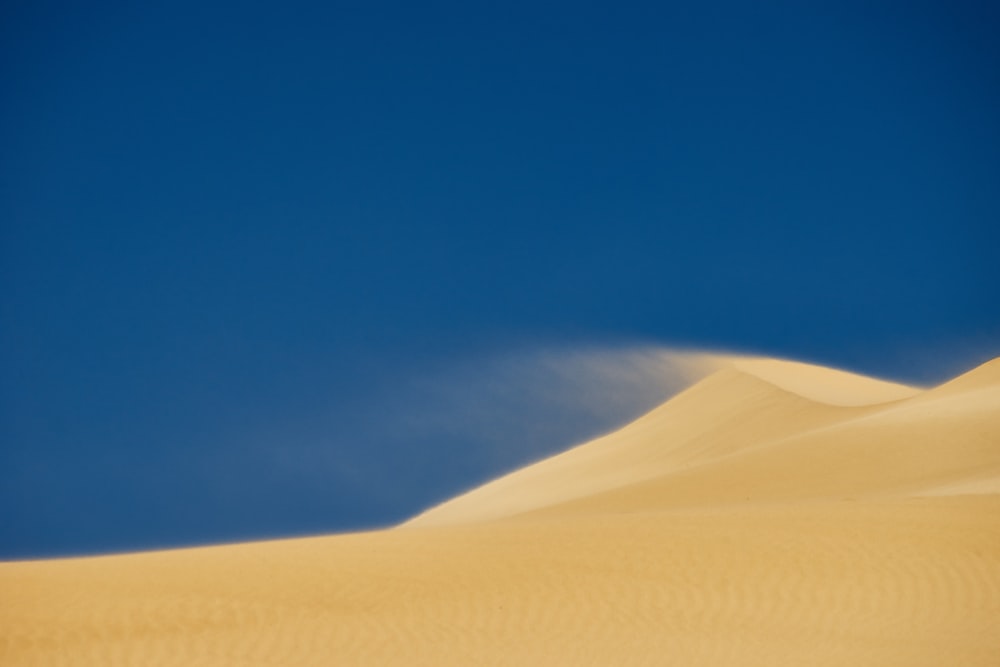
(773, 514)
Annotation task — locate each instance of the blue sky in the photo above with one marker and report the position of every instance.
(239, 238)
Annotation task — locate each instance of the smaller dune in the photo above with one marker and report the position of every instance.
(823, 385)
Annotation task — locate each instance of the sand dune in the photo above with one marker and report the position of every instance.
(773, 514)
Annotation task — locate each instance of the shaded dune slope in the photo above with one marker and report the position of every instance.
(773, 514)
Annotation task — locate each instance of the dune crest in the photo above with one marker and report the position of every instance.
(821, 384)
(774, 513)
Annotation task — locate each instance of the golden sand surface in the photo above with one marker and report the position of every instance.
(774, 513)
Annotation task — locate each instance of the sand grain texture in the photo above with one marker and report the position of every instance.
(773, 514)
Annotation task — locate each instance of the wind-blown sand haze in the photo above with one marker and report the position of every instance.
(775, 513)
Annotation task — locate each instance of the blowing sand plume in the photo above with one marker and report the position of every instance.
(775, 513)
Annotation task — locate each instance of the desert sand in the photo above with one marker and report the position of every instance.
(774, 513)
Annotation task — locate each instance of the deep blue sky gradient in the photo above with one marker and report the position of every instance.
(232, 227)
